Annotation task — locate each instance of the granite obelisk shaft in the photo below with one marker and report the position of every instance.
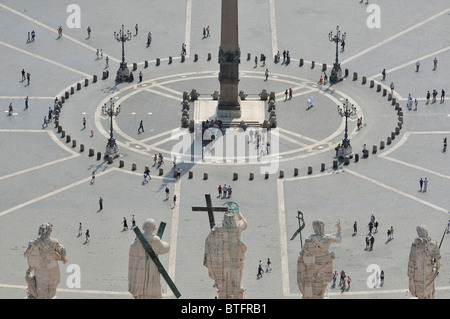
(229, 59)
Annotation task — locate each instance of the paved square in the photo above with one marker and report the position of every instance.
(45, 172)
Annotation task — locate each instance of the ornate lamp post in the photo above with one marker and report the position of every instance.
(111, 147)
(336, 72)
(123, 73)
(346, 110)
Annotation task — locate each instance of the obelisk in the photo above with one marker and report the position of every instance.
(229, 59)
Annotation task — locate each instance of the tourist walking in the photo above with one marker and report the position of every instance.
(80, 230)
(382, 278)
(167, 191)
(174, 200)
(383, 73)
(93, 177)
(355, 228)
(89, 32)
(435, 62)
(260, 270)
(26, 103)
(45, 124)
(100, 203)
(219, 189)
(392, 232)
(425, 183)
(266, 74)
(442, 96)
(84, 123)
(125, 225)
(87, 235)
(268, 265)
(428, 97)
(417, 65)
(140, 76)
(141, 127)
(225, 190)
(23, 75)
(28, 78)
(372, 240)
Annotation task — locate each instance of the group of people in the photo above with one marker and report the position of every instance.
(147, 176)
(25, 75)
(434, 95)
(260, 268)
(158, 158)
(287, 93)
(344, 280)
(206, 32)
(31, 36)
(323, 80)
(224, 191)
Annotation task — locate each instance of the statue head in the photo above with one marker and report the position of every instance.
(149, 226)
(228, 218)
(319, 227)
(422, 231)
(45, 230)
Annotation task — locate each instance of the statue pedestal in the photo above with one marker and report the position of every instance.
(112, 150)
(336, 75)
(345, 151)
(123, 74)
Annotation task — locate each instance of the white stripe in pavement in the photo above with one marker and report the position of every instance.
(57, 191)
(187, 36)
(397, 191)
(396, 36)
(163, 94)
(30, 97)
(44, 59)
(283, 238)
(54, 31)
(273, 27)
(433, 54)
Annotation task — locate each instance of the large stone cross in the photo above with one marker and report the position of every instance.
(210, 209)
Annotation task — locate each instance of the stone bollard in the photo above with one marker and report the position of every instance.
(372, 83)
(191, 174)
(121, 163)
(389, 97)
(205, 176)
(322, 167)
(310, 170)
(59, 129)
(63, 133)
(134, 66)
(158, 61)
(66, 94)
(249, 56)
(145, 64)
(394, 100)
(364, 79)
(99, 156)
(324, 67)
(281, 174)
(399, 124)
(378, 87)
(400, 119)
(56, 123)
(195, 57)
(161, 172)
(392, 135)
(251, 176)
(335, 164)
(397, 130)
(356, 157)
(91, 152)
(170, 60)
(86, 82)
(72, 90)
(235, 176)
(63, 99)
(94, 79)
(374, 149)
(182, 58)
(68, 138)
(209, 56)
(78, 86)
(366, 153)
(110, 159)
(381, 145)
(301, 62)
(295, 171)
(133, 166)
(346, 72)
(81, 147)
(355, 76)
(388, 140)
(312, 64)
(266, 175)
(74, 143)
(346, 160)
(384, 92)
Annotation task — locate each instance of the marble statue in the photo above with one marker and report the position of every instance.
(225, 253)
(43, 254)
(315, 263)
(144, 279)
(423, 265)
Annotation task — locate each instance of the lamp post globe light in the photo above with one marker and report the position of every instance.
(123, 74)
(346, 110)
(111, 148)
(336, 72)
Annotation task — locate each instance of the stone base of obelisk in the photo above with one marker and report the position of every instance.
(251, 112)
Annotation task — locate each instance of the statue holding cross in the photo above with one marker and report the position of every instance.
(225, 253)
(144, 267)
